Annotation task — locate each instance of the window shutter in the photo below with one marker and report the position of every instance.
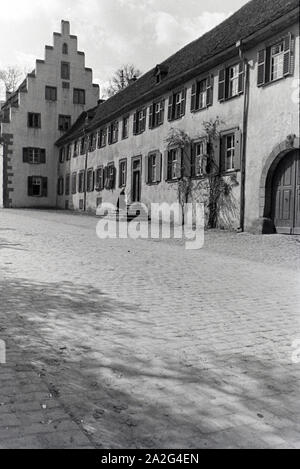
(44, 187)
(179, 163)
(166, 165)
(194, 97)
(238, 150)
(117, 130)
(197, 165)
(30, 189)
(261, 71)
(42, 156)
(241, 77)
(187, 166)
(110, 134)
(162, 112)
(158, 166)
(222, 74)
(215, 164)
(205, 146)
(151, 112)
(93, 181)
(210, 90)
(222, 154)
(135, 123)
(25, 155)
(144, 120)
(183, 102)
(146, 159)
(170, 107)
(287, 55)
(114, 180)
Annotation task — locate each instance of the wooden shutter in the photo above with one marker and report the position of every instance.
(241, 77)
(144, 120)
(210, 90)
(114, 178)
(109, 134)
(162, 112)
(215, 165)
(158, 166)
(222, 154)
(179, 167)
(151, 114)
(44, 187)
(194, 97)
(187, 166)
(183, 103)
(170, 107)
(287, 55)
(222, 77)
(30, 189)
(166, 165)
(146, 163)
(117, 130)
(42, 156)
(261, 71)
(238, 150)
(135, 123)
(25, 155)
(197, 165)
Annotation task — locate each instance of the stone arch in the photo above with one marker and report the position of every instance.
(265, 206)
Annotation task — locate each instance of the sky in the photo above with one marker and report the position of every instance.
(110, 32)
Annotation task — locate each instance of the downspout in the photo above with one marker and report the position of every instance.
(245, 133)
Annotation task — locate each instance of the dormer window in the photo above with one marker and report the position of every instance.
(161, 71)
(65, 49)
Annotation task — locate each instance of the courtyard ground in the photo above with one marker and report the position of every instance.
(142, 344)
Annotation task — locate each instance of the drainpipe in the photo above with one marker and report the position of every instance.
(245, 132)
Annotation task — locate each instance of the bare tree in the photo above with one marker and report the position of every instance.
(122, 78)
(11, 78)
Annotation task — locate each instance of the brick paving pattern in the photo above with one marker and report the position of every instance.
(142, 344)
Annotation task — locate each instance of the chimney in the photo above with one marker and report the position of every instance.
(65, 28)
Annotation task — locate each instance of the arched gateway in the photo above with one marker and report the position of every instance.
(280, 189)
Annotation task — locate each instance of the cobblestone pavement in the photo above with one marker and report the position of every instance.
(125, 344)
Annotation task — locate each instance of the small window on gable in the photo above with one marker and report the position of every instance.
(161, 71)
(65, 49)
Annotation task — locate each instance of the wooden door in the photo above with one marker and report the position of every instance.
(286, 189)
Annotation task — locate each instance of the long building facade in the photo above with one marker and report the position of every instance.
(217, 122)
(43, 108)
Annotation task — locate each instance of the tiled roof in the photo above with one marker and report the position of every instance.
(254, 16)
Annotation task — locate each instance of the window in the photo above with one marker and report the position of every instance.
(79, 96)
(113, 131)
(199, 158)
(65, 70)
(110, 176)
(102, 135)
(74, 183)
(90, 180)
(139, 121)
(34, 155)
(34, 120)
(231, 81)
(99, 182)
(176, 108)
(62, 155)
(37, 186)
(92, 142)
(123, 173)
(68, 153)
(65, 49)
(156, 114)
(125, 129)
(174, 162)
(51, 93)
(60, 186)
(153, 167)
(67, 185)
(75, 149)
(202, 94)
(66, 85)
(81, 182)
(83, 144)
(231, 151)
(276, 61)
(64, 123)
